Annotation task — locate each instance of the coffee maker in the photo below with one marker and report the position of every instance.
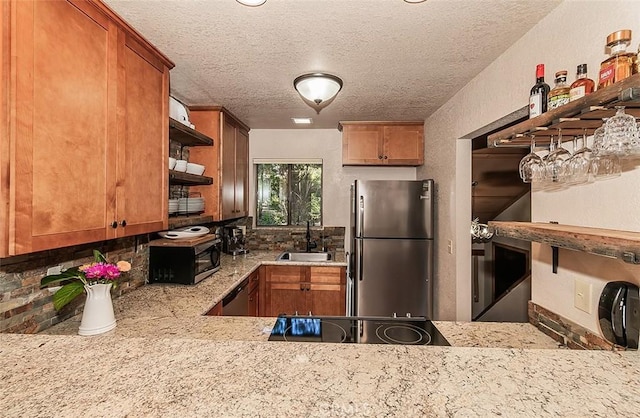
(233, 240)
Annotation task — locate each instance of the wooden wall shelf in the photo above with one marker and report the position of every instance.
(186, 179)
(186, 136)
(624, 245)
(181, 221)
(574, 118)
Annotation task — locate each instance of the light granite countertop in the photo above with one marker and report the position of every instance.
(165, 359)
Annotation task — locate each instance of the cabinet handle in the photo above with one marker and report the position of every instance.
(123, 223)
(379, 157)
(385, 157)
(114, 224)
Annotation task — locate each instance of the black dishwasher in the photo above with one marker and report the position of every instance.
(236, 303)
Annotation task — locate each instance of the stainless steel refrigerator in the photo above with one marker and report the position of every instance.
(391, 260)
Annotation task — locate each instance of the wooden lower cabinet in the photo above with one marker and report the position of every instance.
(216, 310)
(304, 290)
(254, 293)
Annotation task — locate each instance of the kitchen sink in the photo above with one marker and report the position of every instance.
(292, 256)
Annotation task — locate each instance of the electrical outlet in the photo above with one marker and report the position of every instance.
(582, 295)
(450, 246)
(54, 270)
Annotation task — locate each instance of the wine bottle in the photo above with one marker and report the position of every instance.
(539, 94)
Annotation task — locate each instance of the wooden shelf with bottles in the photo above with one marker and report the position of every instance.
(624, 245)
(581, 116)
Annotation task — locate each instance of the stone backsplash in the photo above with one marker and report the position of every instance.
(567, 332)
(25, 308)
(327, 238)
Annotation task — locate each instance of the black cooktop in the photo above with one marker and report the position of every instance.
(354, 329)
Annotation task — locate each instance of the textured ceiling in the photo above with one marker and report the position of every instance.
(398, 61)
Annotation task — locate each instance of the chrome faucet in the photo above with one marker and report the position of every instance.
(310, 244)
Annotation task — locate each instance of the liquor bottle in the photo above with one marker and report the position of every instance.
(583, 84)
(559, 94)
(539, 94)
(619, 65)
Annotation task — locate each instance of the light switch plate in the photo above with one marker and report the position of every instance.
(582, 295)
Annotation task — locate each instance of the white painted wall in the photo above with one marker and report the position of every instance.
(574, 33)
(327, 145)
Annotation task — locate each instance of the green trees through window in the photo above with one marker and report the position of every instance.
(289, 194)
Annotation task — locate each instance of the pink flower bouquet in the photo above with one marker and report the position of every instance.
(76, 278)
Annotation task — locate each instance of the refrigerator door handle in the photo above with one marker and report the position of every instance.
(360, 260)
(361, 215)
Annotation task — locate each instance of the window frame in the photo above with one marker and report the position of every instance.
(289, 163)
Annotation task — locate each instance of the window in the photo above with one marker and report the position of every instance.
(288, 194)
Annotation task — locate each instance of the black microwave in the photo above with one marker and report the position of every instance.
(184, 263)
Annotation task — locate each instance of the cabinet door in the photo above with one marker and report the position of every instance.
(327, 290)
(241, 197)
(228, 177)
(404, 145)
(254, 302)
(64, 143)
(285, 298)
(216, 310)
(362, 144)
(284, 289)
(142, 184)
(326, 299)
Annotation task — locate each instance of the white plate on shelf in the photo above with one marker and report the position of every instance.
(191, 232)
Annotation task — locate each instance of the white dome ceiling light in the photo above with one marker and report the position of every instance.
(252, 3)
(317, 89)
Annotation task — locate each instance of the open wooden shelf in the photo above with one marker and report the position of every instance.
(581, 116)
(181, 221)
(186, 179)
(624, 245)
(186, 136)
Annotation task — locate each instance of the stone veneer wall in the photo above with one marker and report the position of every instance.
(566, 332)
(292, 238)
(283, 239)
(25, 308)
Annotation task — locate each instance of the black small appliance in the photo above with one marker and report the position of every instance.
(233, 240)
(184, 262)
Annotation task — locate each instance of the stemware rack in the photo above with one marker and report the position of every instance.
(582, 116)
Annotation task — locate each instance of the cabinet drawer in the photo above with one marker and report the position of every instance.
(329, 275)
(286, 274)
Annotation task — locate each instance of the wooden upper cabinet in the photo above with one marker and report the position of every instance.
(382, 143)
(70, 109)
(142, 183)
(227, 161)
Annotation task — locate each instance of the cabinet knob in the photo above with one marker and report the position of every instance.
(114, 224)
(385, 157)
(123, 223)
(379, 157)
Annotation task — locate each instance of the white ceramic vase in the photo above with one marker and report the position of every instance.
(98, 316)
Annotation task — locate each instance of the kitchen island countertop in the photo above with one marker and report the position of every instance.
(166, 359)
